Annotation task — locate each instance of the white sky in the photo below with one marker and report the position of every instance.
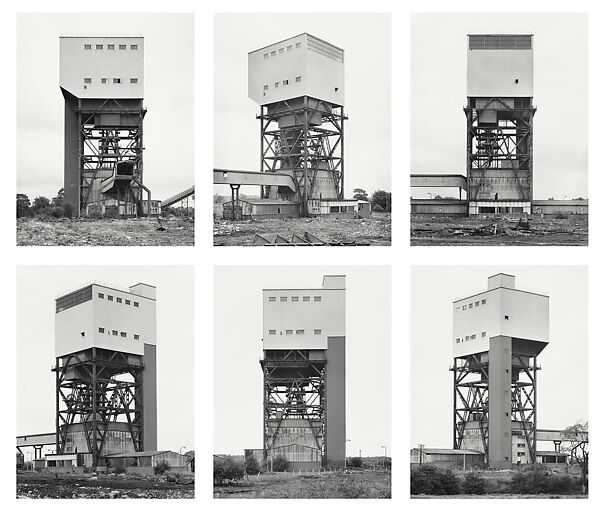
(168, 88)
(366, 39)
(237, 349)
(37, 289)
(439, 88)
(562, 382)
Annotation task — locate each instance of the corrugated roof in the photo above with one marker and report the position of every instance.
(138, 454)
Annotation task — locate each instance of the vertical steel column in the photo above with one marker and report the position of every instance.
(305, 160)
(94, 411)
(57, 422)
(342, 152)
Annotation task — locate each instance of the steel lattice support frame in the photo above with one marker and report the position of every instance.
(491, 144)
(102, 145)
(90, 390)
(294, 388)
(471, 376)
(314, 141)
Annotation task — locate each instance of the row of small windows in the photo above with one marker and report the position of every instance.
(107, 80)
(110, 46)
(471, 305)
(294, 298)
(316, 331)
(470, 337)
(116, 332)
(284, 83)
(282, 50)
(111, 298)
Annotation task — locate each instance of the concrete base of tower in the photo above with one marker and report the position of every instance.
(499, 207)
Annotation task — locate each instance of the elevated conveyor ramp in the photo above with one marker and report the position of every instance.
(177, 197)
(249, 177)
(438, 181)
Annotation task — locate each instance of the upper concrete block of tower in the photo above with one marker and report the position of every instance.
(500, 65)
(102, 66)
(302, 65)
(502, 309)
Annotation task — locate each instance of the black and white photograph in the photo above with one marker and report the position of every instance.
(499, 129)
(309, 355)
(100, 412)
(499, 382)
(302, 129)
(105, 129)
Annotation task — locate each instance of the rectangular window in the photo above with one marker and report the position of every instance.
(298, 79)
(283, 298)
(134, 46)
(136, 304)
(476, 304)
(116, 80)
(266, 56)
(276, 84)
(119, 300)
(99, 46)
(136, 337)
(133, 80)
(111, 46)
(127, 302)
(505, 317)
(286, 82)
(298, 45)
(317, 331)
(289, 332)
(473, 337)
(280, 51)
(273, 53)
(110, 298)
(306, 298)
(464, 307)
(470, 306)
(289, 48)
(299, 332)
(87, 80)
(87, 46)
(483, 302)
(265, 87)
(271, 298)
(317, 298)
(123, 334)
(114, 332)
(101, 296)
(122, 47)
(294, 298)
(458, 340)
(101, 330)
(483, 334)
(272, 332)
(104, 80)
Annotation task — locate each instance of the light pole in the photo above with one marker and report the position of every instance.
(384, 455)
(345, 457)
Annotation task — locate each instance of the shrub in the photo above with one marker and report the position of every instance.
(536, 479)
(227, 470)
(355, 462)
(280, 463)
(378, 209)
(161, 467)
(433, 481)
(252, 465)
(123, 470)
(474, 485)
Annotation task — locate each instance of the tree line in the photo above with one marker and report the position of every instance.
(42, 206)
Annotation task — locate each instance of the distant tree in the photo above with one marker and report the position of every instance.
(41, 203)
(383, 199)
(252, 465)
(161, 467)
(23, 205)
(576, 438)
(360, 194)
(227, 469)
(438, 197)
(60, 198)
(280, 463)
(355, 462)
(378, 209)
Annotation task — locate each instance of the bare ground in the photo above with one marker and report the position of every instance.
(374, 231)
(348, 485)
(572, 231)
(105, 232)
(33, 485)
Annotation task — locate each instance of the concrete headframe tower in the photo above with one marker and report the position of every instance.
(299, 85)
(105, 371)
(102, 81)
(498, 335)
(304, 371)
(499, 115)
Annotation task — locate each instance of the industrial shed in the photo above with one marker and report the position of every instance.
(446, 457)
(253, 209)
(144, 461)
(552, 458)
(560, 207)
(443, 207)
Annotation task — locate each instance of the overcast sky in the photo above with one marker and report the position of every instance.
(367, 44)
(562, 382)
(238, 412)
(168, 87)
(37, 289)
(439, 88)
